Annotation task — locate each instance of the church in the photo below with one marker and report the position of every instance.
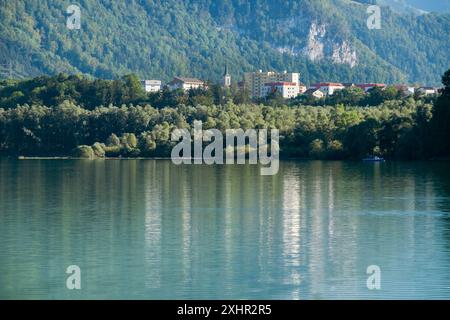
(226, 78)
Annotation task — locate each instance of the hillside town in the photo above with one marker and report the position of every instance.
(287, 84)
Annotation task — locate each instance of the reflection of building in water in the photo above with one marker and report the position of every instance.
(185, 207)
(330, 212)
(316, 234)
(340, 227)
(153, 231)
(292, 237)
(267, 233)
(332, 253)
(228, 222)
(291, 216)
(330, 208)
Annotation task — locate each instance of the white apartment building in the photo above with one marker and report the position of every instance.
(151, 85)
(255, 81)
(185, 83)
(427, 90)
(328, 87)
(287, 90)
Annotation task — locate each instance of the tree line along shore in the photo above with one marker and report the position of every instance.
(63, 115)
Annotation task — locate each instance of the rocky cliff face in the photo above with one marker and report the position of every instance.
(314, 49)
(343, 54)
(319, 47)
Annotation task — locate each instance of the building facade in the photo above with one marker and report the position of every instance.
(302, 88)
(313, 92)
(287, 90)
(151, 85)
(226, 78)
(404, 89)
(328, 87)
(427, 90)
(255, 81)
(185, 83)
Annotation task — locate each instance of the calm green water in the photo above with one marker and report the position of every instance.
(147, 229)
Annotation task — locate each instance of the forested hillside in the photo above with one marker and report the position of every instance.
(420, 5)
(321, 39)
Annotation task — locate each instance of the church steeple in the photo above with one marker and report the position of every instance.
(226, 70)
(226, 77)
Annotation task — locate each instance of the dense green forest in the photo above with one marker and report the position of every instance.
(163, 38)
(58, 117)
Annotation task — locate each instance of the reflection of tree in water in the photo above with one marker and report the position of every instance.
(441, 175)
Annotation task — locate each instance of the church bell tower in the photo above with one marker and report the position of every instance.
(226, 78)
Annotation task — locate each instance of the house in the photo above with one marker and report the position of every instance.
(287, 90)
(185, 83)
(427, 90)
(328, 87)
(151, 85)
(404, 89)
(301, 88)
(313, 92)
(255, 81)
(368, 86)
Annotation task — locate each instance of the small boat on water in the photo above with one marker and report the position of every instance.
(373, 159)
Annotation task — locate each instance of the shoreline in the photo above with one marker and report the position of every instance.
(168, 158)
(77, 158)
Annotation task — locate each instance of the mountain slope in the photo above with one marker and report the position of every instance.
(323, 40)
(424, 5)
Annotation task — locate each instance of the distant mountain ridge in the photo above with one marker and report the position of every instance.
(322, 39)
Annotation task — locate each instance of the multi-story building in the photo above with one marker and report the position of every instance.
(255, 81)
(328, 87)
(185, 83)
(287, 90)
(151, 85)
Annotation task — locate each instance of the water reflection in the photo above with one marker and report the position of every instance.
(149, 229)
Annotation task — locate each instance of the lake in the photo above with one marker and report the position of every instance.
(147, 229)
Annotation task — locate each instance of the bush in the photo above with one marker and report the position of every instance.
(335, 150)
(84, 151)
(316, 149)
(99, 149)
(113, 140)
(112, 151)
